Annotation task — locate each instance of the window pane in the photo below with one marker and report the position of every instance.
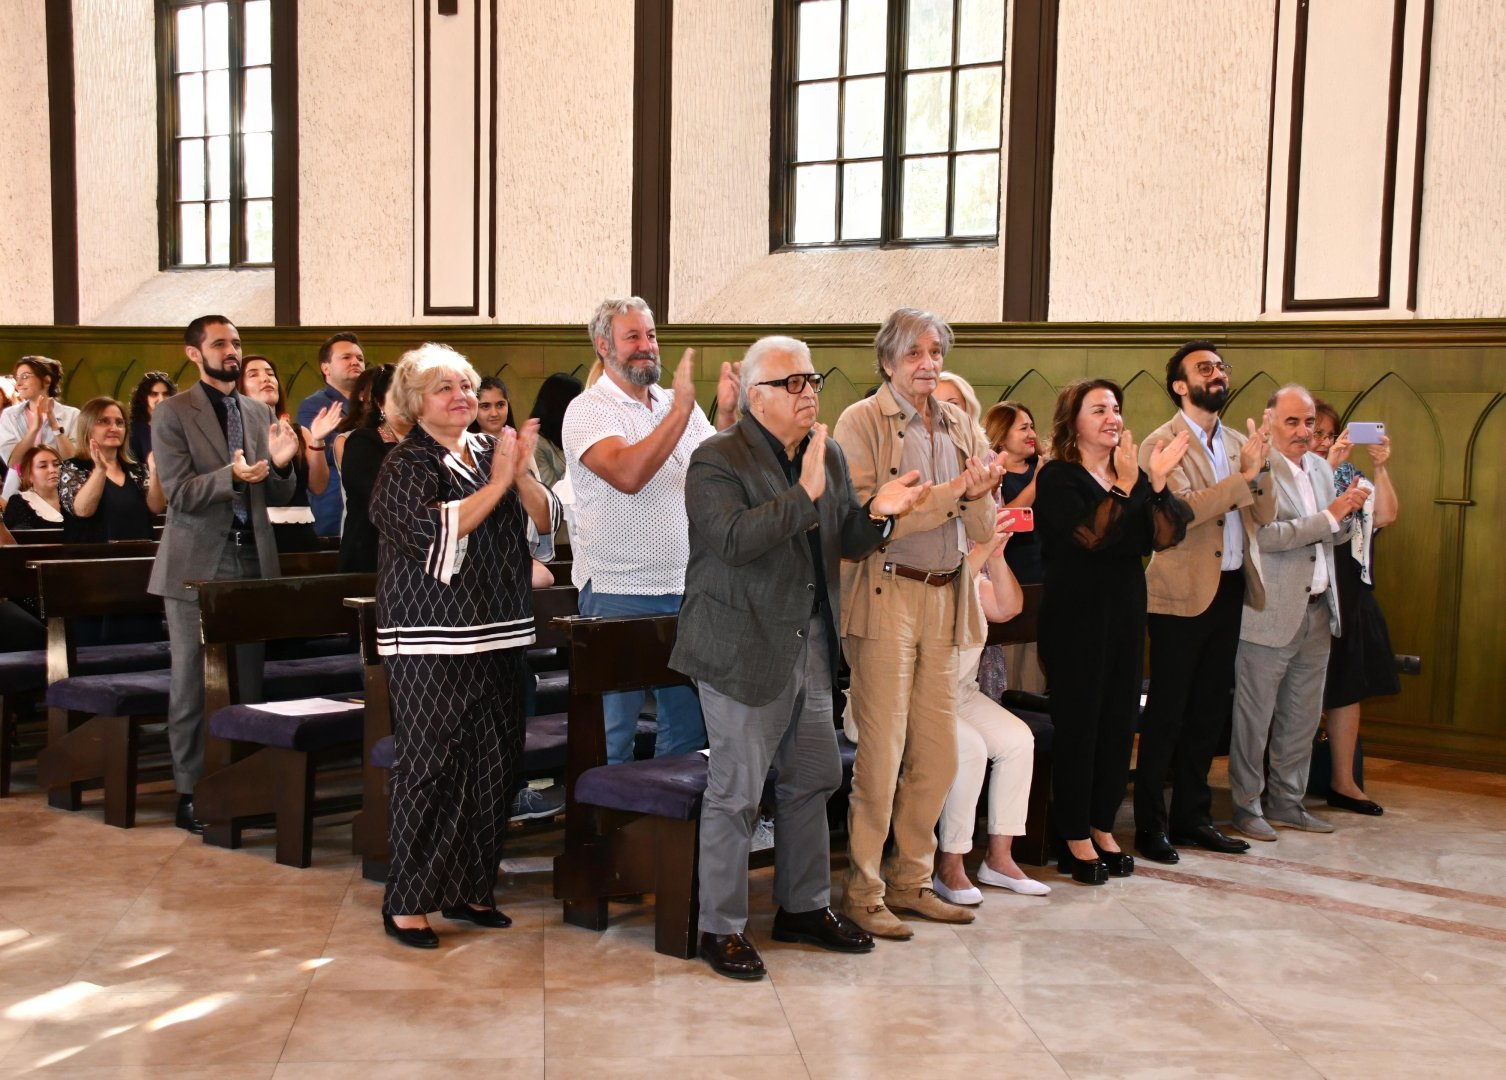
(191, 169)
(930, 34)
(978, 108)
(815, 204)
(190, 104)
(257, 106)
(981, 36)
(219, 233)
(217, 102)
(975, 206)
(259, 231)
(867, 31)
(256, 164)
(219, 167)
(191, 234)
(256, 46)
(820, 38)
(189, 35)
(862, 200)
(924, 194)
(816, 122)
(927, 112)
(863, 119)
(216, 36)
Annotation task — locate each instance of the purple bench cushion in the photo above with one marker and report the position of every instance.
(668, 787)
(144, 693)
(381, 752)
(544, 741)
(26, 671)
(552, 694)
(315, 731)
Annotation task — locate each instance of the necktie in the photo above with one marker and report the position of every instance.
(235, 436)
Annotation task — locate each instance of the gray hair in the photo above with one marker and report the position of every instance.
(1270, 402)
(969, 396)
(758, 353)
(902, 330)
(606, 311)
(419, 371)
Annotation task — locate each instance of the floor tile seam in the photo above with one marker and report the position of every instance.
(1359, 877)
(794, 1038)
(304, 994)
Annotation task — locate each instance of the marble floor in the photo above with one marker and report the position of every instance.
(1378, 951)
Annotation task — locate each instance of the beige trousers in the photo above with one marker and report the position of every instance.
(904, 707)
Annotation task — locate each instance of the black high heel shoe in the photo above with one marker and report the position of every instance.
(1118, 863)
(417, 937)
(1084, 872)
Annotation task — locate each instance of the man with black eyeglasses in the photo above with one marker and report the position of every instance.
(1196, 593)
(772, 515)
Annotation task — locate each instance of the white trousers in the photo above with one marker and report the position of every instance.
(987, 733)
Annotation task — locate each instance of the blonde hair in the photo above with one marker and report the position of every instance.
(419, 371)
(969, 397)
(89, 415)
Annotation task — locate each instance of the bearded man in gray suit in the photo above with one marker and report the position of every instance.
(772, 513)
(1284, 643)
(223, 458)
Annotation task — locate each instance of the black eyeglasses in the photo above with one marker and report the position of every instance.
(795, 384)
(1208, 367)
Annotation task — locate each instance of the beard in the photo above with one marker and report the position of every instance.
(644, 376)
(231, 373)
(1210, 400)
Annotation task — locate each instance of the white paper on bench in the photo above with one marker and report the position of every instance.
(310, 706)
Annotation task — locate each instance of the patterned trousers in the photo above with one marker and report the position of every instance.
(457, 724)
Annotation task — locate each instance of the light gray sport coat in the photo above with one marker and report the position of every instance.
(750, 582)
(193, 464)
(1285, 553)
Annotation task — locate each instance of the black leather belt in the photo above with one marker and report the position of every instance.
(927, 576)
(244, 537)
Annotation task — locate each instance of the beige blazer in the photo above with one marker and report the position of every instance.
(1182, 580)
(868, 433)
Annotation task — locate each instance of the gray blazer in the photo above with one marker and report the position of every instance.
(1285, 550)
(750, 581)
(193, 464)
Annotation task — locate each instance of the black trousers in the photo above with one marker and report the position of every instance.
(1189, 706)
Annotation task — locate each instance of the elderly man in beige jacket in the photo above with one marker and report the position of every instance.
(906, 609)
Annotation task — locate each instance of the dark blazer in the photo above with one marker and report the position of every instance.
(193, 464)
(750, 582)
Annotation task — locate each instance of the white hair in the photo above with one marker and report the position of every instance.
(759, 352)
(606, 311)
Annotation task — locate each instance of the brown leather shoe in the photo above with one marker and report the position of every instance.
(732, 955)
(823, 927)
(878, 920)
(925, 903)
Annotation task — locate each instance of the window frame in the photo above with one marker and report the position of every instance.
(782, 139)
(169, 240)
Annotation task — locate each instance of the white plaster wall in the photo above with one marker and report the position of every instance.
(1158, 204)
(25, 167)
(564, 157)
(355, 161)
(1461, 272)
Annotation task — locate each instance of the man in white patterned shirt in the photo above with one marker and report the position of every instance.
(627, 446)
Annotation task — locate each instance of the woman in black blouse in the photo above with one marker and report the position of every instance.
(1097, 514)
(293, 524)
(459, 515)
(37, 505)
(108, 495)
(154, 387)
(371, 431)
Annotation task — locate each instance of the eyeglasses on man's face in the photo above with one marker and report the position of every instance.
(1206, 368)
(795, 384)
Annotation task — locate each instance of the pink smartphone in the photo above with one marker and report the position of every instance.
(1023, 521)
(1365, 433)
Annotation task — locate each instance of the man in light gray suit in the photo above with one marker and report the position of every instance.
(1283, 644)
(222, 458)
(772, 514)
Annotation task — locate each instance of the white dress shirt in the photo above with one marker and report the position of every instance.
(1218, 458)
(1309, 507)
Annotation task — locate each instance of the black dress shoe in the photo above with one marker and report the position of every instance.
(491, 918)
(1359, 806)
(732, 955)
(185, 819)
(1210, 839)
(418, 937)
(823, 927)
(1084, 872)
(1118, 863)
(1156, 847)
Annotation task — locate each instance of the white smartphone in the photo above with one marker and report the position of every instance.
(1366, 433)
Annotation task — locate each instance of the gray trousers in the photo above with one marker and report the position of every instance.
(185, 709)
(1278, 699)
(795, 733)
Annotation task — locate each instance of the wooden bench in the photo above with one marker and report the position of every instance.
(1038, 842)
(259, 765)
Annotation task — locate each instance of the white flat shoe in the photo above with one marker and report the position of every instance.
(967, 897)
(1024, 886)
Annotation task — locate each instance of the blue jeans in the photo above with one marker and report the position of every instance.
(681, 728)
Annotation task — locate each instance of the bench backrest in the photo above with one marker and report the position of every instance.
(18, 581)
(264, 609)
(38, 536)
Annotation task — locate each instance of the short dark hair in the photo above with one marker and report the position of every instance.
(333, 340)
(1174, 365)
(549, 406)
(194, 335)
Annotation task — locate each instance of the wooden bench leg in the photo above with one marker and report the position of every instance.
(121, 743)
(225, 836)
(73, 757)
(9, 723)
(590, 914)
(677, 905)
(374, 869)
(293, 801)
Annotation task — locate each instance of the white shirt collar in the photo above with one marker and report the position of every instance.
(615, 391)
